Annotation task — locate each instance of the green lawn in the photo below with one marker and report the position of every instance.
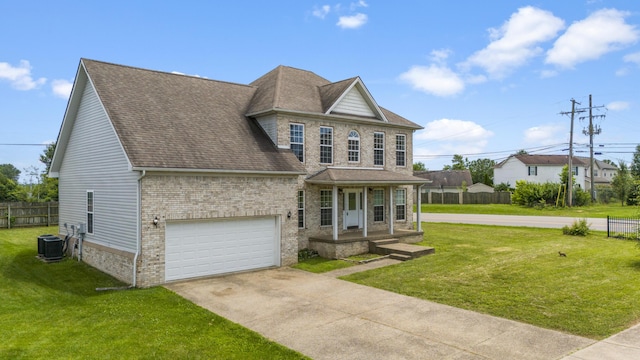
(517, 273)
(593, 211)
(54, 311)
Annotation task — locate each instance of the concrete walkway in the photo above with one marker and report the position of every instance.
(327, 318)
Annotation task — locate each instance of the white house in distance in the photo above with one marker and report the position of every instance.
(539, 169)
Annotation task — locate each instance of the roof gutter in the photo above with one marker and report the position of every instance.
(218, 171)
(367, 182)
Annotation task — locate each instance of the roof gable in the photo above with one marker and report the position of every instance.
(355, 100)
(176, 122)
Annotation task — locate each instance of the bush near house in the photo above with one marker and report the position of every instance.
(546, 194)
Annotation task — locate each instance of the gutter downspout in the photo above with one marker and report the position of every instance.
(138, 230)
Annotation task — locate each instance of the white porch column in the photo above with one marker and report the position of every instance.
(364, 211)
(334, 212)
(419, 207)
(391, 217)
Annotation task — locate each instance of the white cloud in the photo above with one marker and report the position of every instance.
(545, 134)
(352, 22)
(516, 41)
(20, 76)
(435, 79)
(360, 3)
(548, 73)
(618, 105)
(454, 130)
(447, 137)
(602, 32)
(61, 88)
(321, 12)
(632, 58)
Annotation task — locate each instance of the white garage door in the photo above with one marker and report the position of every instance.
(223, 246)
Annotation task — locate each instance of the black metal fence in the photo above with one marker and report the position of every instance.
(623, 227)
(24, 214)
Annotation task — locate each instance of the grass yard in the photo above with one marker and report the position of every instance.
(517, 273)
(54, 311)
(593, 211)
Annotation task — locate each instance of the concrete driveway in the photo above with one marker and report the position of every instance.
(327, 318)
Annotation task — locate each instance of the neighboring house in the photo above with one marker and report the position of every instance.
(453, 181)
(538, 169)
(176, 177)
(603, 172)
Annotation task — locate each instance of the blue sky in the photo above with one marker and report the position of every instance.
(485, 78)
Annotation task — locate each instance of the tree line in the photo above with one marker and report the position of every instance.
(46, 188)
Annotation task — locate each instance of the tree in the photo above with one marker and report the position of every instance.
(458, 163)
(47, 156)
(482, 171)
(10, 191)
(10, 172)
(419, 166)
(522, 152)
(621, 182)
(610, 162)
(635, 163)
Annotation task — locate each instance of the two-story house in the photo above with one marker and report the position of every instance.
(603, 172)
(538, 169)
(165, 177)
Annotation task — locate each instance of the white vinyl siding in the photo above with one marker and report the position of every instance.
(94, 160)
(533, 170)
(270, 126)
(353, 103)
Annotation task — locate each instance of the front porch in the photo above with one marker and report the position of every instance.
(356, 243)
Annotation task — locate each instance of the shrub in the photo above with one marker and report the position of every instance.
(579, 228)
(306, 254)
(534, 194)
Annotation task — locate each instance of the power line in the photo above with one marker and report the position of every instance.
(25, 144)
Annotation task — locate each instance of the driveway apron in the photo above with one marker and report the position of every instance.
(327, 318)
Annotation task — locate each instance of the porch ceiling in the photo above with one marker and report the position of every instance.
(364, 177)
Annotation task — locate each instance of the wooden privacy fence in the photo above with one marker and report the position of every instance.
(623, 227)
(24, 214)
(499, 197)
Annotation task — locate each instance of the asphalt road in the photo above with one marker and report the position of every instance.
(512, 220)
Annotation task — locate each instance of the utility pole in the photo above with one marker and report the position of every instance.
(590, 132)
(570, 170)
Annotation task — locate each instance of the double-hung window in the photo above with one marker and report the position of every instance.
(354, 146)
(90, 212)
(532, 170)
(378, 148)
(401, 150)
(301, 209)
(575, 171)
(296, 140)
(326, 145)
(326, 205)
(378, 205)
(401, 204)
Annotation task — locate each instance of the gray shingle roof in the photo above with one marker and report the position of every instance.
(553, 160)
(333, 176)
(446, 178)
(293, 89)
(174, 121)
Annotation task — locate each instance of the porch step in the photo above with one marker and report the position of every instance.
(411, 251)
(373, 244)
(400, 257)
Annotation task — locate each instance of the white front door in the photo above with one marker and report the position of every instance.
(352, 208)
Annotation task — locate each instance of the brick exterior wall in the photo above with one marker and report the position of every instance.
(184, 197)
(116, 263)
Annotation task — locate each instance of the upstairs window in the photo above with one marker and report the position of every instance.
(378, 148)
(401, 150)
(575, 171)
(326, 145)
(532, 170)
(354, 146)
(296, 140)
